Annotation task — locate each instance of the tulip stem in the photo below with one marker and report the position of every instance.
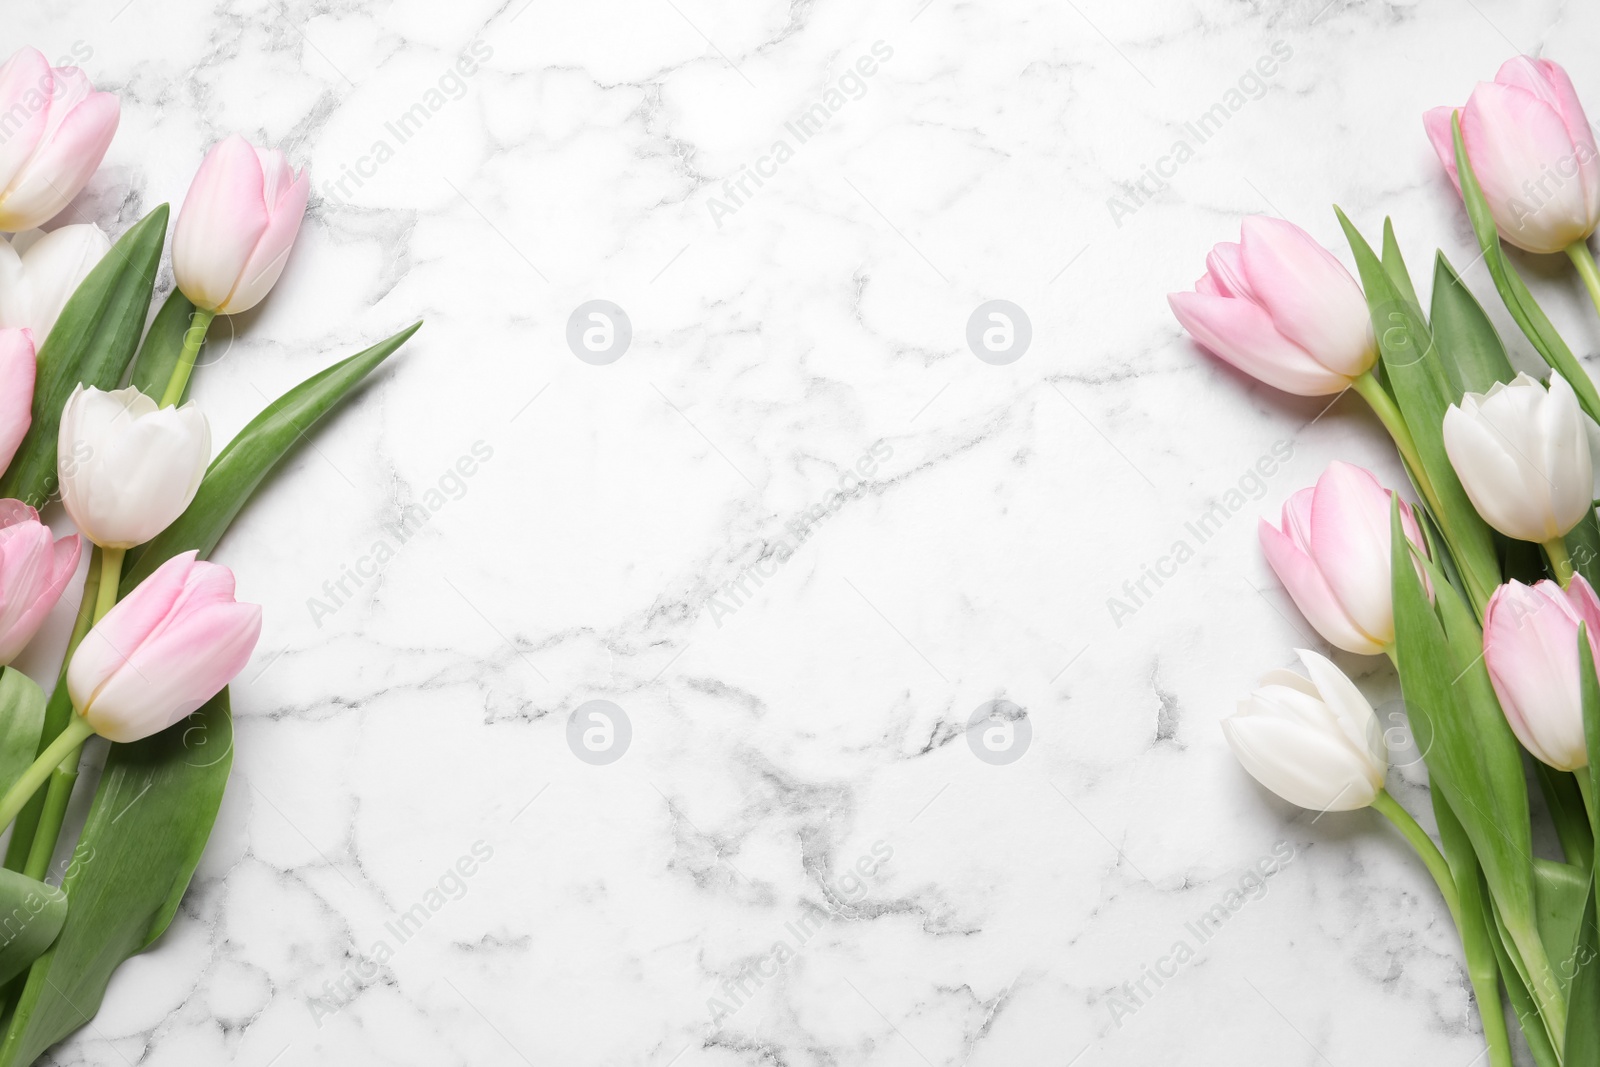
(193, 338)
(110, 579)
(66, 743)
(1394, 421)
(1426, 849)
(1560, 559)
(1578, 252)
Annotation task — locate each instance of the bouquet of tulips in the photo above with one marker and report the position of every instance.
(93, 409)
(1482, 592)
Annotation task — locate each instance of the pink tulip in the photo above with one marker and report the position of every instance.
(165, 649)
(1533, 152)
(56, 132)
(1530, 644)
(18, 368)
(237, 226)
(34, 569)
(1333, 555)
(1279, 307)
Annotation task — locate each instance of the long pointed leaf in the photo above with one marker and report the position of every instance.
(251, 455)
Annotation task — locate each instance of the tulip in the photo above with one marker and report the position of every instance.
(56, 133)
(1522, 454)
(164, 650)
(127, 468)
(1333, 555)
(1315, 742)
(34, 569)
(237, 226)
(1279, 307)
(18, 368)
(1530, 645)
(40, 271)
(1534, 155)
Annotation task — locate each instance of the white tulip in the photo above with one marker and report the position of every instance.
(1315, 742)
(39, 271)
(1522, 454)
(127, 467)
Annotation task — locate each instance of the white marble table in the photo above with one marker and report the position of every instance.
(798, 532)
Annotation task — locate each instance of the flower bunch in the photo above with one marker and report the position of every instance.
(93, 409)
(1481, 591)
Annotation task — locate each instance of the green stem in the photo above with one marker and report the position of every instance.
(66, 743)
(1578, 252)
(1426, 850)
(1384, 407)
(19, 854)
(65, 774)
(110, 577)
(193, 338)
(1560, 559)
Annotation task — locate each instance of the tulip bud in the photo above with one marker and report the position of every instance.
(1533, 153)
(18, 367)
(40, 271)
(164, 650)
(128, 468)
(34, 569)
(237, 225)
(1333, 555)
(1522, 454)
(1530, 645)
(1315, 743)
(1279, 307)
(57, 132)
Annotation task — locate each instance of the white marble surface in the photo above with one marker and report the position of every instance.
(774, 346)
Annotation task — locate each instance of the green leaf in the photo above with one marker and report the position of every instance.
(1518, 300)
(1395, 267)
(253, 454)
(145, 832)
(1560, 889)
(1423, 391)
(1478, 939)
(91, 343)
(21, 719)
(1473, 352)
(1583, 1018)
(1522, 1003)
(162, 344)
(1471, 753)
(31, 914)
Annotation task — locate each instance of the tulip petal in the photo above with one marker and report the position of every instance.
(1242, 334)
(266, 262)
(1311, 593)
(1513, 138)
(1350, 542)
(1311, 298)
(25, 88)
(224, 215)
(63, 165)
(18, 368)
